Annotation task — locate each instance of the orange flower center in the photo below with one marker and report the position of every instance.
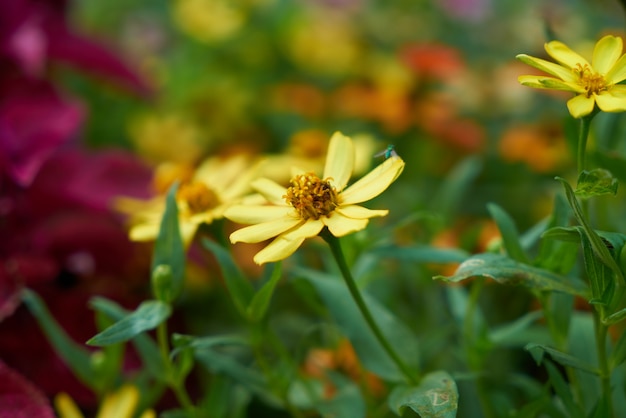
(592, 82)
(198, 197)
(311, 196)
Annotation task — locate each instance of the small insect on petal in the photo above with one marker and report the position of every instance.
(389, 152)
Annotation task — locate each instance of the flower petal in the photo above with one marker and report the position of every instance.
(581, 105)
(339, 160)
(144, 232)
(564, 55)
(606, 53)
(359, 212)
(548, 67)
(252, 214)
(271, 190)
(618, 72)
(542, 82)
(261, 232)
(340, 225)
(286, 244)
(373, 183)
(613, 100)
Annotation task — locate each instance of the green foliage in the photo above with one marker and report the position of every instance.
(435, 397)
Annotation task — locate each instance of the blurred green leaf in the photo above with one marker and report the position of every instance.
(517, 333)
(598, 273)
(346, 401)
(510, 236)
(334, 292)
(562, 389)
(435, 397)
(596, 182)
(615, 317)
(146, 347)
(450, 194)
(507, 271)
(261, 299)
(539, 350)
(239, 287)
(618, 355)
(147, 316)
(421, 254)
(77, 358)
(169, 249)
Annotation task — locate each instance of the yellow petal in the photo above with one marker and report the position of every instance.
(581, 105)
(618, 72)
(564, 55)
(359, 212)
(339, 160)
(373, 183)
(286, 244)
(606, 53)
(543, 82)
(548, 67)
(66, 407)
(266, 230)
(144, 232)
(339, 225)
(613, 100)
(245, 214)
(121, 404)
(271, 190)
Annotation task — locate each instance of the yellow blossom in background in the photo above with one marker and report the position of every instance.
(215, 185)
(120, 404)
(594, 84)
(312, 203)
(208, 20)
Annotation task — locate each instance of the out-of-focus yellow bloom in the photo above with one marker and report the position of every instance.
(594, 84)
(166, 138)
(216, 184)
(312, 203)
(120, 404)
(208, 20)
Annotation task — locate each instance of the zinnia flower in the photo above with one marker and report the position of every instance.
(216, 184)
(312, 203)
(595, 83)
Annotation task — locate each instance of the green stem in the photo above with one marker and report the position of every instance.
(583, 135)
(335, 247)
(177, 387)
(605, 371)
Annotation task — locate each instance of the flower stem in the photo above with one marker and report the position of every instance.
(335, 247)
(605, 370)
(583, 135)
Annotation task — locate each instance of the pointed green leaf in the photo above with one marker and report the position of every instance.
(168, 248)
(515, 332)
(538, 351)
(421, 254)
(507, 271)
(619, 351)
(435, 397)
(596, 182)
(77, 358)
(261, 300)
(562, 389)
(615, 317)
(596, 243)
(146, 347)
(510, 236)
(240, 289)
(147, 316)
(334, 292)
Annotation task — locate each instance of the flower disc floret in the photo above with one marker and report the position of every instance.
(197, 197)
(311, 196)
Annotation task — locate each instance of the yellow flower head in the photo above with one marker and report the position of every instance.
(216, 184)
(312, 203)
(595, 83)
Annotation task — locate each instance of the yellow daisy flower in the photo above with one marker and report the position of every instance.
(216, 184)
(120, 404)
(595, 83)
(312, 203)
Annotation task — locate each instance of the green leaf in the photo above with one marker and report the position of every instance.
(562, 389)
(238, 286)
(618, 355)
(510, 236)
(507, 271)
(435, 397)
(598, 273)
(77, 358)
(261, 300)
(421, 254)
(146, 347)
(311, 394)
(538, 351)
(334, 292)
(147, 316)
(169, 249)
(515, 333)
(596, 182)
(616, 317)
(596, 243)
(452, 191)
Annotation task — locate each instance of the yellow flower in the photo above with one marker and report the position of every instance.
(216, 184)
(312, 203)
(120, 404)
(595, 83)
